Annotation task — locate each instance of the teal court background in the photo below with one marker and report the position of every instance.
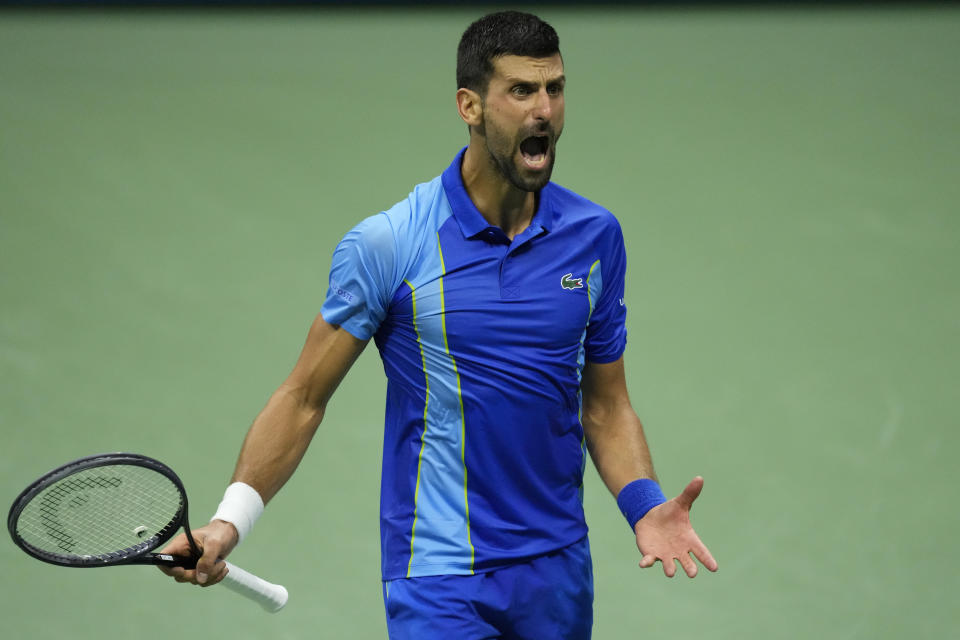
(172, 185)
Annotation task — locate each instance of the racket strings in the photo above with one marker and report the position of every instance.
(70, 490)
(102, 511)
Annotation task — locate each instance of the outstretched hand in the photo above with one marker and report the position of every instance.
(216, 540)
(665, 534)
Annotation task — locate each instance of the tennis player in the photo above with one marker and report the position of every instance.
(496, 300)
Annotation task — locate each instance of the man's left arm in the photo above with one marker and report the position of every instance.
(619, 450)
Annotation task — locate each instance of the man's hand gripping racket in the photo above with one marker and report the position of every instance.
(114, 509)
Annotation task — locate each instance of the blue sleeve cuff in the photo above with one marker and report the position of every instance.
(638, 497)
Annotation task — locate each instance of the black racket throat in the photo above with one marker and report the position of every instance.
(166, 560)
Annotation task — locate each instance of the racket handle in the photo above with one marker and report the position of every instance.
(271, 597)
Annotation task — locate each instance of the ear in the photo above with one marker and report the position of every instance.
(470, 107)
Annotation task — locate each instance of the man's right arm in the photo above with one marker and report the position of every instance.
(279, 437)
(277, 440)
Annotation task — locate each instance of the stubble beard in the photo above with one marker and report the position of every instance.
(504, 155)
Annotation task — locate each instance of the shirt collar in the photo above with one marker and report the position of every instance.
(470, 219)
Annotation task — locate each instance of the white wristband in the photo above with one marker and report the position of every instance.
(241, 506)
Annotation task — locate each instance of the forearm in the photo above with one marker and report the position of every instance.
(617, 445)
(277, 441)
(280, 435)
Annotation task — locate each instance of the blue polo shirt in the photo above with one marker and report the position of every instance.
(483, 342)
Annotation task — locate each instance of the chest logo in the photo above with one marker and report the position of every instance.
(569, 282)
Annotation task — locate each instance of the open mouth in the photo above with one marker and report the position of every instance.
(534, 151)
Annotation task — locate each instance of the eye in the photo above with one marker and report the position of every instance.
(555, 89)
(521, 90)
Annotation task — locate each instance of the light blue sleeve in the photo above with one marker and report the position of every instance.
(607, 332)
(362, 277)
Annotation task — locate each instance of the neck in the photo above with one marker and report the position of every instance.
(498, 201)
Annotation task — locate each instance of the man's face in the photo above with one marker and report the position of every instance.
(523, 118)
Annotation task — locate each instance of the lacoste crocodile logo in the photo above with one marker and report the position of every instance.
(569, 282)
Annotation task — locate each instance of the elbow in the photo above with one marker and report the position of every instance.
(595, 415)
(599, 418)
(310, 407)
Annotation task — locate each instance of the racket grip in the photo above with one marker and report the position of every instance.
(271, 597)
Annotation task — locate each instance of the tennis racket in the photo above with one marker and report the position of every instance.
(115, 509)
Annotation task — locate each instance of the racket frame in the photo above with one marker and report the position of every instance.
(136, 554)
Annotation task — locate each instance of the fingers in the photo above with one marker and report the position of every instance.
(669, 568)
(690, 493)
(167, 570)
(689, 566)
(176, 547)
(209, 565)
(665, 534)
(705, 557)
(190, 576)
(183, 575)
(219, 573)
(647, 561)
(215, 542)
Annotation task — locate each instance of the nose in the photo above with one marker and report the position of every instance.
(543, 106)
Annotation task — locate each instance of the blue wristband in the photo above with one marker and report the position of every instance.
(638, 497)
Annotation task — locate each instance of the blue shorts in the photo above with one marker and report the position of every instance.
(549, 596)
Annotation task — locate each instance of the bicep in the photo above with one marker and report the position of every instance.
(327, 355)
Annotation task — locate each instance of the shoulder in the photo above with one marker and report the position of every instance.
(417, 207)
(572, 209)
(391, 229)
(374, 234)
(387, 244)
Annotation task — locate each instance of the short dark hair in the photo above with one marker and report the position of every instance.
(500, 34)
